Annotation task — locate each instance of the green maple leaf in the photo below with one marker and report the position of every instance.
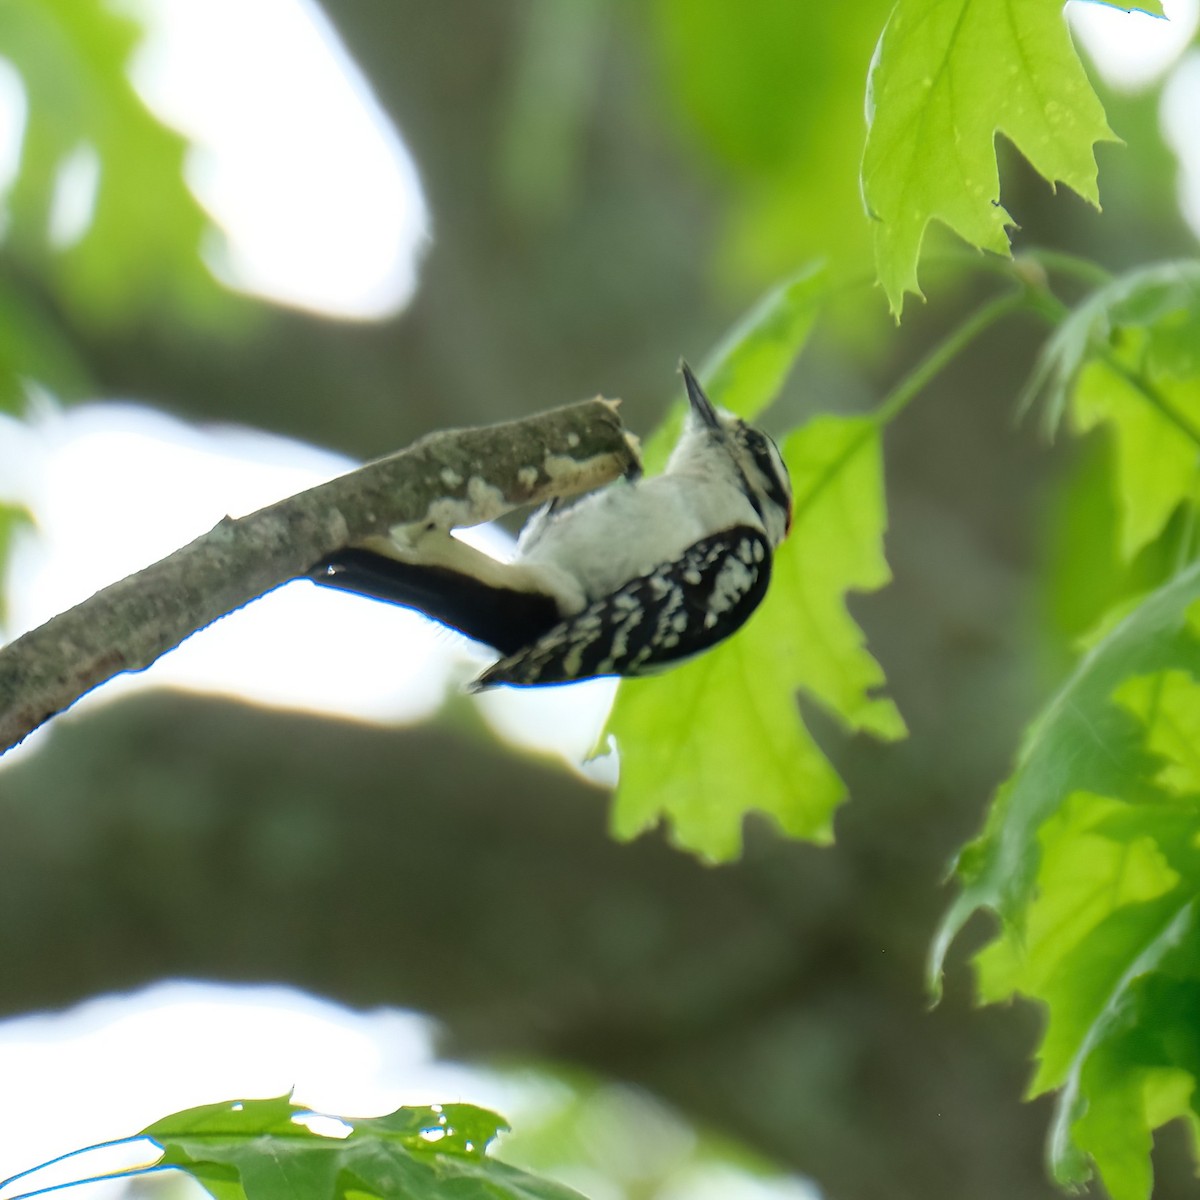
(1082, 741)
(257, 1150)
(722, 735)
(1127, 359)
(1091, 859)
(1168, 704)
(1155, 461)
(947, 76)
(1162, 299)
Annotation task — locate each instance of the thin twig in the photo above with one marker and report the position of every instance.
(453, 479)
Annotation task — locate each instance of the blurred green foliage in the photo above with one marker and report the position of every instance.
(772, 95)
(945, 80)
(35, 353)
(138, 254)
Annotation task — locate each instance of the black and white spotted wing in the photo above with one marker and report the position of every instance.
(676, 611)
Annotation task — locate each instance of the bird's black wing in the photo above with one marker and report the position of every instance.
(679, 609)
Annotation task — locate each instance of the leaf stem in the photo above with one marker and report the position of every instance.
(1185, 551)
(898, 399)
(895, 402)
(1053, 311)
(1153, 396)
(1083, 269)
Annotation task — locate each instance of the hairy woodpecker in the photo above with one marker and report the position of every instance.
(626, 581)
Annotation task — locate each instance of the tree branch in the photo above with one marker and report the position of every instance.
(452, 479)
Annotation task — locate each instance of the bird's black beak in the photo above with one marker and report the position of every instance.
(701, 404)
